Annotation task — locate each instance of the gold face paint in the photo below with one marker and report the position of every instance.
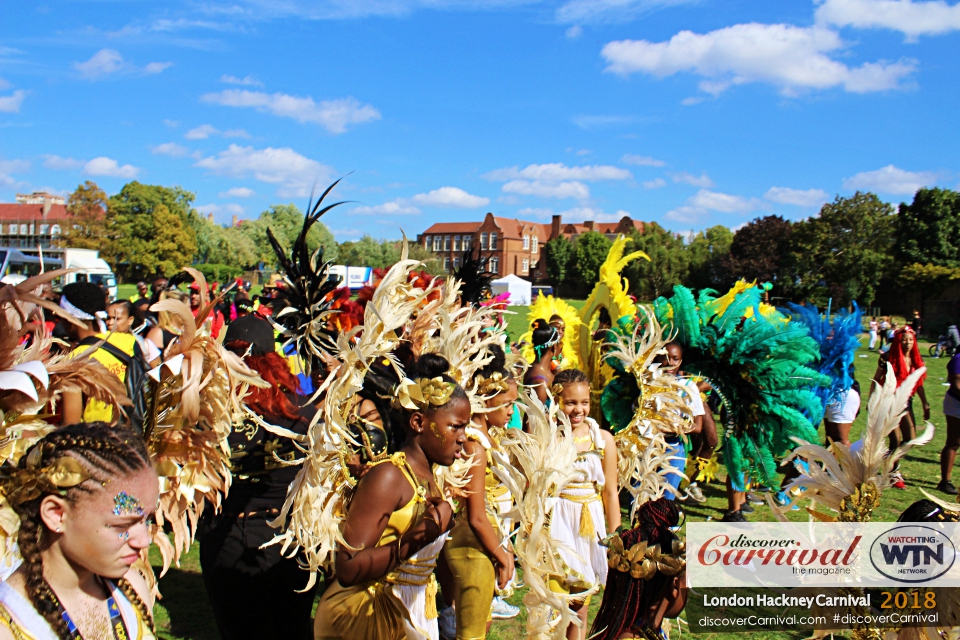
(436, 431)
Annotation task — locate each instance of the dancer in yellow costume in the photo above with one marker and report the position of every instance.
(559, 313)
(397, 521)
(478, 551)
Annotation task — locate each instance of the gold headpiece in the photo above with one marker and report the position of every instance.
(556, 389)
(416, 396)
(493, 385)
(30, 482)
(643, 561)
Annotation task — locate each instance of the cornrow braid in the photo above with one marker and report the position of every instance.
(625, 599)
(131, 594)
(105, 452)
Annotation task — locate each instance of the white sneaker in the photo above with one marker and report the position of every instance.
(503, 610)
(448, 623)
(694, 492)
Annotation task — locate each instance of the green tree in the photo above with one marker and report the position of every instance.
(592, 248)
(707, 253)
(416, 251)
(928, 230)
(760, 251)
(93, 225)
(844, 252)
(285, 222)
(669, 262)
(560, 255)
(369, 252)
(222, 245)
(153, 229)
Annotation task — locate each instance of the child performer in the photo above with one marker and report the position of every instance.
(587, 510)
(478, 551)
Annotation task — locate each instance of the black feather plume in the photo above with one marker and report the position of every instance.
(474, 276)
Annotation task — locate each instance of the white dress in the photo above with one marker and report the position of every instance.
(16, 611)
(585, 559)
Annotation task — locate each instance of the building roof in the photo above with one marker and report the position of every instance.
(28, 212)
(452, 227)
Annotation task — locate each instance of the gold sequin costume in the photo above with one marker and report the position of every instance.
(401, 604)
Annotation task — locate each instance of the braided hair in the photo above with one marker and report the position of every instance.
(105, 452)
(625, 598)
(544, 336)
(927, 511)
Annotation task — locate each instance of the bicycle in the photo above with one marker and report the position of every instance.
(943, 346)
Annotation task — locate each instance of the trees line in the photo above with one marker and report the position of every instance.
(146, 230)
(853, 249)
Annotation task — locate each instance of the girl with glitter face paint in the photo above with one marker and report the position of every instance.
(85, 495)
(397, 522)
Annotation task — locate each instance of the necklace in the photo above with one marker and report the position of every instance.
(423, 484)
(582, 439)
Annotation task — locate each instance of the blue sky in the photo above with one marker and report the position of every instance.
(686, 112)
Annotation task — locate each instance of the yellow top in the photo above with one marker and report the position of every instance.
(403, 519)
(95, 410)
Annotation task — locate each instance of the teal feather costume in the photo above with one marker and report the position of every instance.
(758, 362)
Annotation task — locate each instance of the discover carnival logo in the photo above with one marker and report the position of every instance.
(912, 554)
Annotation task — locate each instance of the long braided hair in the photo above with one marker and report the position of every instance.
(625, 598)
(105, 452)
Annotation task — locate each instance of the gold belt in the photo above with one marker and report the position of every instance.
(587, 528)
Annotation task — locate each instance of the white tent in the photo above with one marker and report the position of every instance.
(518, 288)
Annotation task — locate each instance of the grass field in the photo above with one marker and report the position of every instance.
(184, 611)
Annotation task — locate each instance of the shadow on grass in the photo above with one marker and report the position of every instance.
(184, 612)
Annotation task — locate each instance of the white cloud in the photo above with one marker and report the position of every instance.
(104, 166)
(156, 67)
(11, 103)
(557, 171)
(702, 203)
(216, 209)
(890, 179)
(574, 32)
(173, 124)
(450, 197)
(236, 133)
(202, 132)
(798, 197)
(4, 84)
(643, 161)
(589, 11)
(8, 167)
(248, 81)
(334, 115)
(789, 57)
(598, 122)
(103, 62)
(913, 19)
(171, 149)
(694, 181)
(109, 61)
(295, 174)
(656, 183)
(396, 207)
(346, 234)
(571, 189)
(64, 164)
(237, 192)
(535, 212)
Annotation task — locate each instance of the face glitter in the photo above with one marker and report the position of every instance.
(124, 536)
(436, 431)
(125, 504)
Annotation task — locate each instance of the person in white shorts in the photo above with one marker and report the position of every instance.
(840, 414)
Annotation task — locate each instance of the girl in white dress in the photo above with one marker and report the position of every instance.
(84, 495)
(588, 508)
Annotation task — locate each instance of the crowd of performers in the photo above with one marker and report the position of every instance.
(398, 453)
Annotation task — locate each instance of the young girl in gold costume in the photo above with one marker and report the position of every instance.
(397, 521)
(478, 551)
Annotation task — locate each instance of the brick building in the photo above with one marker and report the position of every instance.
(36, 219)
(513, 246)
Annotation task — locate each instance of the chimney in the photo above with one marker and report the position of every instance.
(235, 221)
(555, 227)
(588, 224)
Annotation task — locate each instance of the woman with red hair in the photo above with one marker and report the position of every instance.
(904, 358)
(241, 577)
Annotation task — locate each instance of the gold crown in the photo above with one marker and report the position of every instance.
(493, 385)
(645, 561)
(416, 396)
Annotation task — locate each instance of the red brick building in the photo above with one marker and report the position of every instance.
(37, 219)
(513, 246)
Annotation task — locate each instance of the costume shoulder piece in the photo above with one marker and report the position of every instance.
(196, 399)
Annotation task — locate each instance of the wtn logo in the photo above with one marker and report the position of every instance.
(912, 553)
(899, 554)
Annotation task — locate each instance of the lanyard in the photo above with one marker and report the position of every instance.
(116, 622)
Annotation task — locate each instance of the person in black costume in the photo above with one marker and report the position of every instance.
(254, 591)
